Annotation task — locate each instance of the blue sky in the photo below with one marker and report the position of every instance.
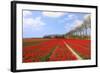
(37, 24)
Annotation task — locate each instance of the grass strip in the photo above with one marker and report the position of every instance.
(48, 56)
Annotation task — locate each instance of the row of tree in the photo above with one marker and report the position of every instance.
(82, 31)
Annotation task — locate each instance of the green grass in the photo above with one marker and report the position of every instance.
(48, 56)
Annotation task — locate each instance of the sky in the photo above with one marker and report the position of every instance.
(37, 24)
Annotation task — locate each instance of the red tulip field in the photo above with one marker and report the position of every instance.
(55, 49)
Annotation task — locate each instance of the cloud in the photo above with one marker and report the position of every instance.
(86, 16)
(34, 23)
(53, 14)
(68, 27)
(71, 17)
(87, 19)
(73, 25)
(77, 23)
(27, 13)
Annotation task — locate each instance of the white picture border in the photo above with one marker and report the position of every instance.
(38, 65)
